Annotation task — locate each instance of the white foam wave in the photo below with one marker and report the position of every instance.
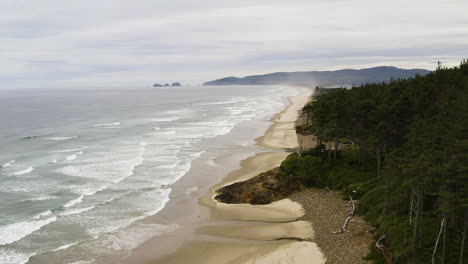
(205, 124)
(53, 161)
(156, 128)
(65, 246)
(8, 164)
(134, 236)
(43, 198)
(71, 157)
(164, 119)
(88, 191)
(114, 171)
(77, 211)
(107, 124)
(143, 143)
(46, 213)
(232, 101)
(74, 156)
(60, 138)
(168, 166)
(82, 262)
(69, 150)
(112, 227)
(172, 132)
(74, 201)
(17, 231)
(126, 238)
(8, 256)
(25, 171)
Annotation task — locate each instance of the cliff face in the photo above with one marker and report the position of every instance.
(345, 77)
(262, 189)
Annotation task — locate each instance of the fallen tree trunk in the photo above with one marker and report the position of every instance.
(350, 216)
(379, 245)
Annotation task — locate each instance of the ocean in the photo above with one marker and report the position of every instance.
(81, 168)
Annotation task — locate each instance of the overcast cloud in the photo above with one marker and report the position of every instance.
(57, 43)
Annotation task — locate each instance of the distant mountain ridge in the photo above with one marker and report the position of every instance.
(345, 77)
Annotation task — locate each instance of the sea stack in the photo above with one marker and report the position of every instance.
(157, 85)
(176, 84)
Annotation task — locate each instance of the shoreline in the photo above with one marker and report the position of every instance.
(244, 233)
(279, 232)
(213, 232)
(187, 210)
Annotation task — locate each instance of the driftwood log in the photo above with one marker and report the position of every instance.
(348, 218)
(379, 244)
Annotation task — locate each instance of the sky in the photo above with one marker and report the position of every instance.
(134, 43)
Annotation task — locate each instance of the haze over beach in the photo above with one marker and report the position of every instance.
(236, 132)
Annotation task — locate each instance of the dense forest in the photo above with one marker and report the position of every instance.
(400, 148)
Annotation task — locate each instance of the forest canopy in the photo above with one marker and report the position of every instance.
(401, 148)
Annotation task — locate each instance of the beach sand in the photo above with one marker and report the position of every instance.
(279, 232)
(247, 233)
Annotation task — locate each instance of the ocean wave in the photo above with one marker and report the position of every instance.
(69, 150)
(124, 239)
(232, 101)
(164, 119)
(74, 201)
(114, 171)
(172, 132)
(28, 137)
(82, 262)
(60, 138)
(21, 172)
(42, 198)
(64, 246)
(71, 157)
(77, 211)
(107, 124)
(88, 190)
(156, 128)
(17, 231)
(46, 213)
(205, 124)
(112, 227)
(74, 156)
(8, 164)
(167, 166)
(8, 256)
(134, 236)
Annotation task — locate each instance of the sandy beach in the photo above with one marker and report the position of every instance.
(256, 233)
(216, 232)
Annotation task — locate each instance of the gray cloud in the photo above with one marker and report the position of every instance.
(53, 43)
